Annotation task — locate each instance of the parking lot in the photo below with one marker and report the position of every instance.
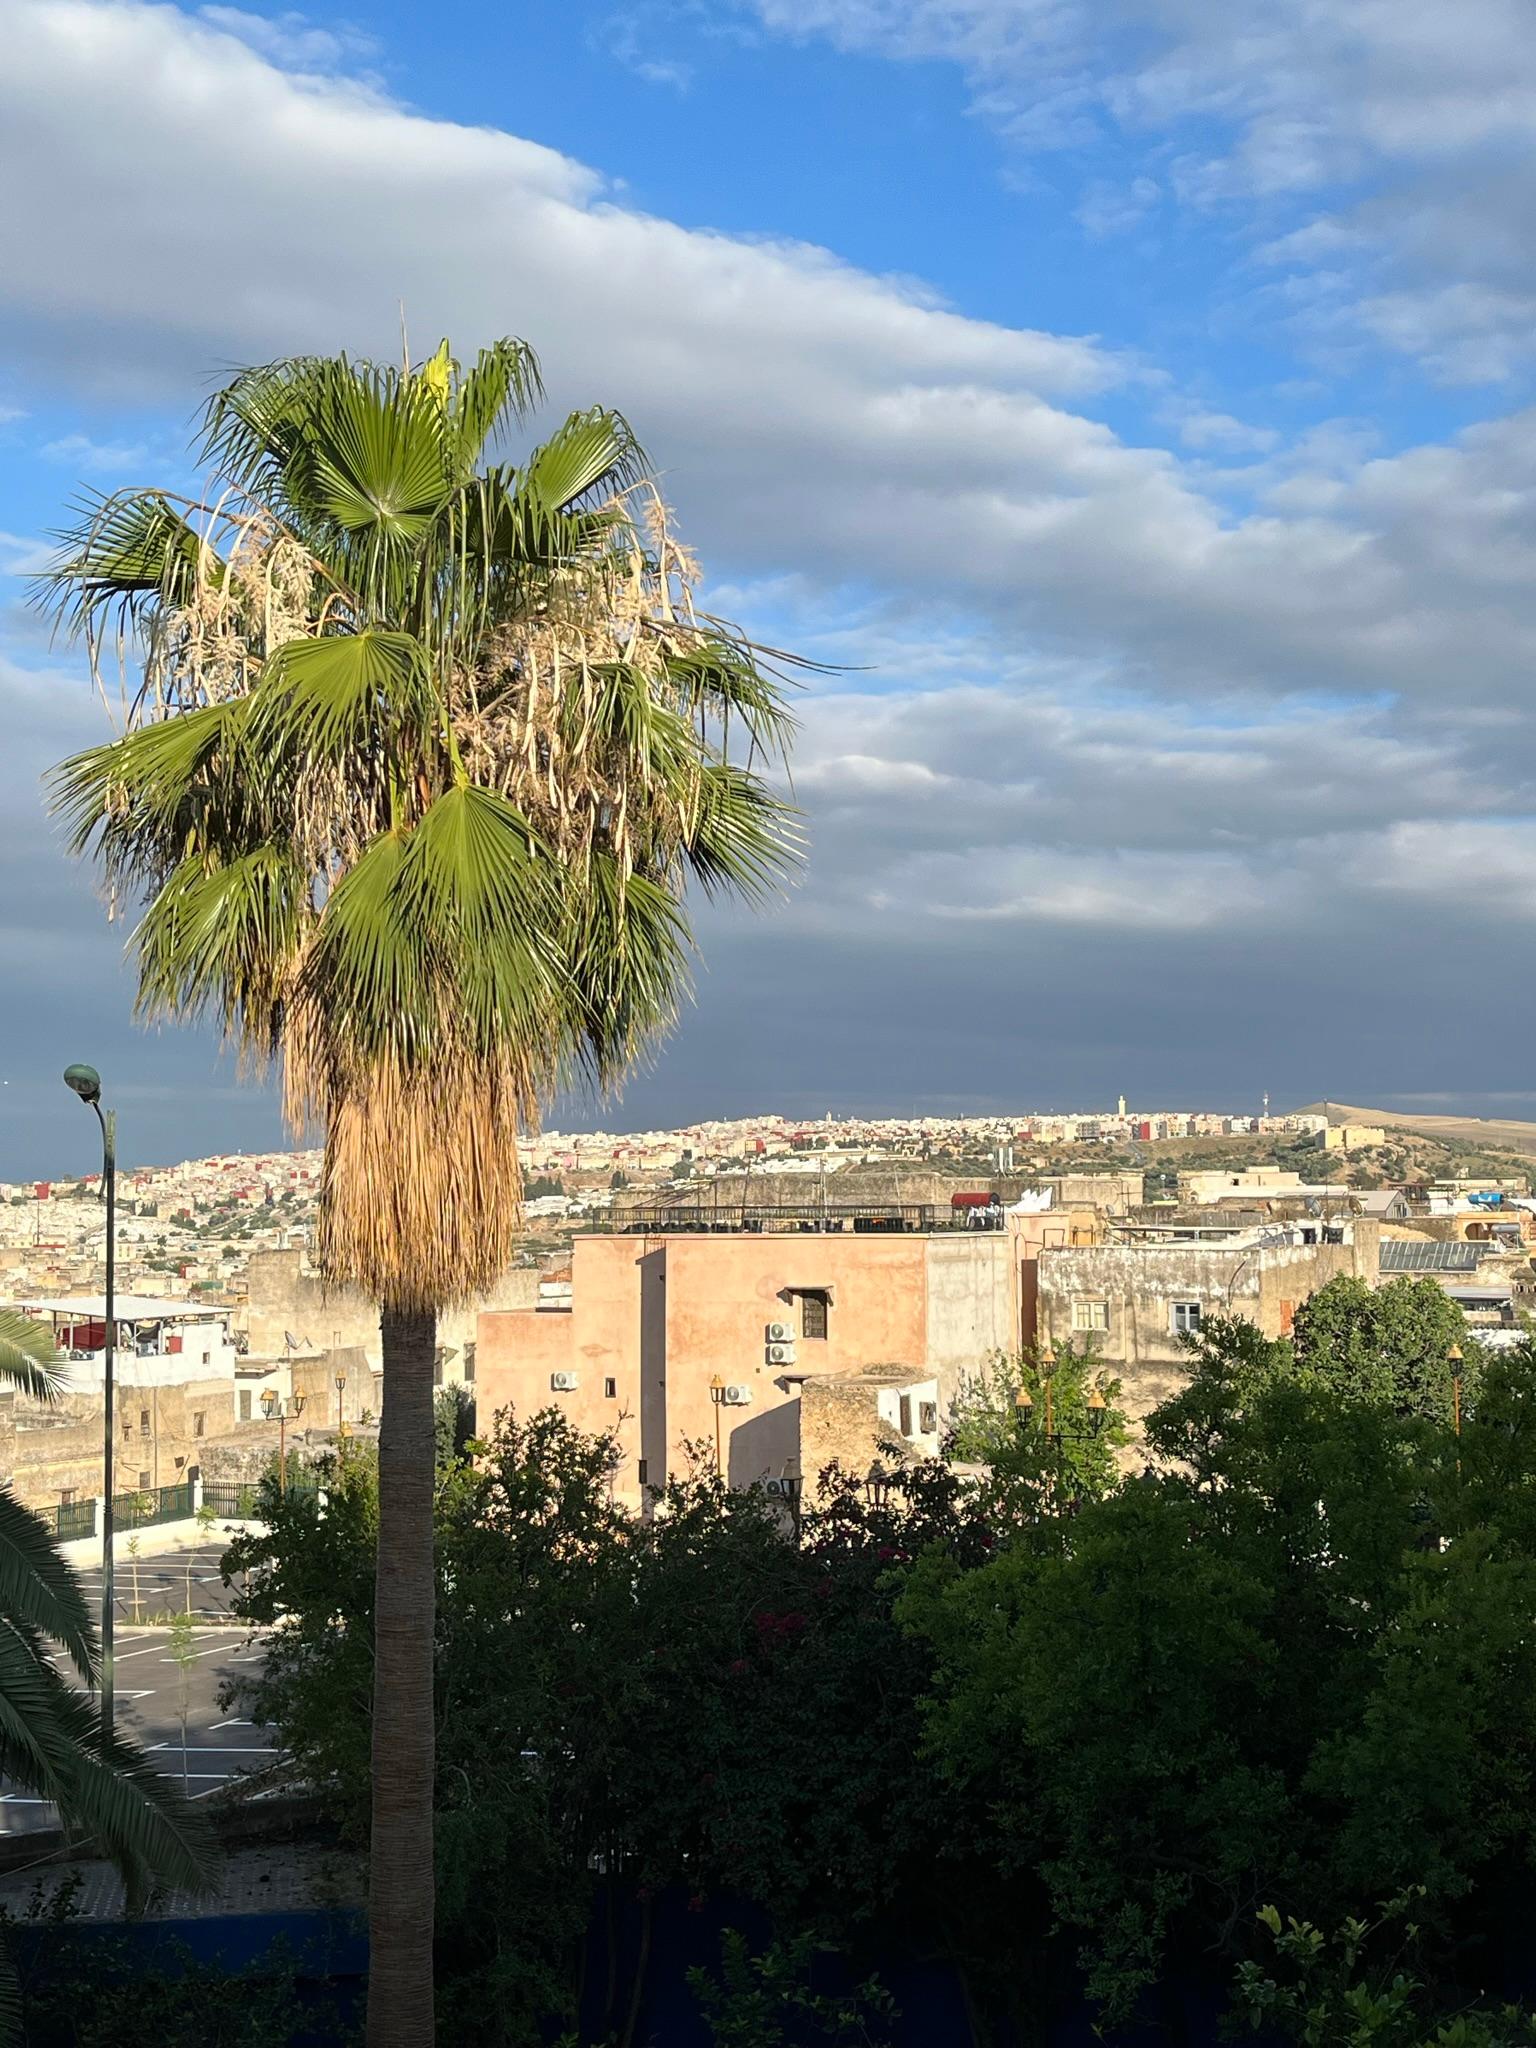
(150, 1686)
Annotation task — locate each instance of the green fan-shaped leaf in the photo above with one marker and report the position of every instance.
(321, 700)
(223, 939)
(591, 449)
(29, 1360)
(124, 553)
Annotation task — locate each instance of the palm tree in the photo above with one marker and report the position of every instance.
(423, 754)
(51, 1738)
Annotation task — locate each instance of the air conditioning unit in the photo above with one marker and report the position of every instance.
(780, 1333)
(736, 1395)
(775, 1487)
(781, 1354)
(564, 1382)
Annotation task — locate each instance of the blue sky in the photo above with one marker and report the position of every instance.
(1133, 396)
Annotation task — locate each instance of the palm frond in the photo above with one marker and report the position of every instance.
(630, 948)
(593, 452)
(742, 839)
(441, 938)
(28, 1359)
(375, 457)
(224, 939)
(126, 553)
(38, 1589)
(725, 681)
(143, 790)
(51, 1741)
(500, 388)
(325, 701)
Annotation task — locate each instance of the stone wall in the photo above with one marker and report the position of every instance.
(854, 1420)
(162, 1435)
(1140, 1283)
(286, 1297)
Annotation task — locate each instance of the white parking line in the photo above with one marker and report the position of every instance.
(219, 1749)
(218, 1650)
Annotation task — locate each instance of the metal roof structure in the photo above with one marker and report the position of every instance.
(1425, 1255)
(128, 1308)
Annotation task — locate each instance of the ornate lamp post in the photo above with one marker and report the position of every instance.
(273, 1404)
(1024, 1408)
(86, 1083)
(342, 1431)
(1453, 1359)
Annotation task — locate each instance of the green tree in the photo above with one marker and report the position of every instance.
(1357, 1988)
(427, 749)
(453, 1421)
(1389, 1343)
(1257, 1671)
(768, 2000)
(988, 1425)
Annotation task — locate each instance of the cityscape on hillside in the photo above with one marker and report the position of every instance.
(717, 715)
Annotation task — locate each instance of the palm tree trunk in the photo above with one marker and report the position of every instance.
(400, 1903)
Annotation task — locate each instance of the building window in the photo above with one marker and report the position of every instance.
(127, 1427)
(245, 1404)
(143, 1422)
(66, 1496)
(610, 1390)
(928, 1417)
(1184, 1318)
(143, 1482)
(198, 1421)
(906, 1414)
(813, 1313)
(644, 1469)
(1090, 1315)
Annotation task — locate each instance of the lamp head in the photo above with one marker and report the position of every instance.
(85, 1081)
(269, 1401)
(298, 1401)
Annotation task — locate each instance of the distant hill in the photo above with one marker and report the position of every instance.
(1494, 1134)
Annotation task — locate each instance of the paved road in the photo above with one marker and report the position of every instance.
(150, 1685)
(160, 1585)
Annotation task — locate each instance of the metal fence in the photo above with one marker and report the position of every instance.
(241, 1500)
(884, 1219)
(154, 1504)
(233, 1500)
(71, 1519)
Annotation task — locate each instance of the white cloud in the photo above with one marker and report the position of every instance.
(1102, 699)
(1109, 209)
(641, 39)
(95, 458)
(1425, 110)
(292, 40)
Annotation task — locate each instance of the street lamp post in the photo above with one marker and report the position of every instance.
(273, 1404)
(717, 1395)
(86, 1083)
(342, 1431)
